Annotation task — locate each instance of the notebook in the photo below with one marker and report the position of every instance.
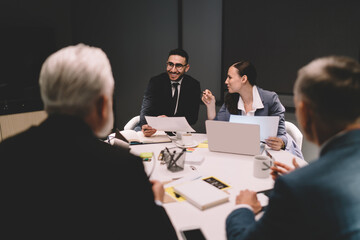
(133, 137)
(201, 194)
(228, 137)
(268, 124)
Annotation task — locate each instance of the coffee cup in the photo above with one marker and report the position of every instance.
(262, 165)
(179, 135)
(187, 139)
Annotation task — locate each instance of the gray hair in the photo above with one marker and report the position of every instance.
(73, 78)
(331, 87)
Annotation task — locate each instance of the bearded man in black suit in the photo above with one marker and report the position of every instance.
(172, 93)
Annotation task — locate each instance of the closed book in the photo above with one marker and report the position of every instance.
(201, 194)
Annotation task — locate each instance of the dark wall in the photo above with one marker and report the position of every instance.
(281, 36)
(202, 39)
(30, 31)
(136, 35)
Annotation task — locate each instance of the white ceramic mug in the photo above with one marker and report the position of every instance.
(262, 166)
(179, 135)
(187, 139)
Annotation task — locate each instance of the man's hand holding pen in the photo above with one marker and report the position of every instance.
(147, 130)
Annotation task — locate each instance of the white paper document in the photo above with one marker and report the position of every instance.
(170, 124)
(268, 124)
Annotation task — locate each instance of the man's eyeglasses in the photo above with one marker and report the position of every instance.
(178, 66)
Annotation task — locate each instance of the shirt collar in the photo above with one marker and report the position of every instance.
(177, 81)
(257, 102)
(331, 139)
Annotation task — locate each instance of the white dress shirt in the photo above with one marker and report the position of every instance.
(257, 103)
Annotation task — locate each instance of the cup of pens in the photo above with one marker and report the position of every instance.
(175, 160)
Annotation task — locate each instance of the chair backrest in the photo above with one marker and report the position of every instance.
(294, 132)
(13, 124)
(119, 143)
(130, 125)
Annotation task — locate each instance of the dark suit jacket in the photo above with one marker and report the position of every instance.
(60, 182)
(157, 98)
(319, 201)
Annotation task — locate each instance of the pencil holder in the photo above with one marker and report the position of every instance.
(176, 161)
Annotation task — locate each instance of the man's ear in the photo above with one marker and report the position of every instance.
(97, 116)
(101, 108)
(306, 119)
(187, 67)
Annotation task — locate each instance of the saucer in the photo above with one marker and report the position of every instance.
(181, 145)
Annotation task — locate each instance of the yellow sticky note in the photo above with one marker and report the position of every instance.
(203, 144)
(146, 156)
(171, 192)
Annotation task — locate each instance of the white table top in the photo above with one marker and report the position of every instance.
(235, 170)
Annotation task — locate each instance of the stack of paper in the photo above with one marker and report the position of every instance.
(193, 158)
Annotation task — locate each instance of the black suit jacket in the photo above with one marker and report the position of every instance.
(60, 182)
(157, 98)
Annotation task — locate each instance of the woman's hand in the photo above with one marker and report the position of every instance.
(209, 100)
(275, 143)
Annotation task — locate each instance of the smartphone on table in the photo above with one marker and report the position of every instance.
(192, 233)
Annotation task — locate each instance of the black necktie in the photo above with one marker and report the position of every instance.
(175, 96)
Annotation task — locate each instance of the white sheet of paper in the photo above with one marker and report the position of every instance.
(268, 124)
(170, 124)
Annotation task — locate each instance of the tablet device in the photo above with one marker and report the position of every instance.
(268, 124)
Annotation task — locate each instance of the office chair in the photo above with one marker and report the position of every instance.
(294, 132)
(130, 125)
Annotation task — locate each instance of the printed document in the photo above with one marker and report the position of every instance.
(169, 124)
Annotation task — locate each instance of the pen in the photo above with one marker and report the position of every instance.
(269, 155)
(172, 160)
(175, 160)
(268, 167)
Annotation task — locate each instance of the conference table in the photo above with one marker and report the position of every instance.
(233, 169)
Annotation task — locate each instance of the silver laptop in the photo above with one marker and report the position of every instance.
(228, 137)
